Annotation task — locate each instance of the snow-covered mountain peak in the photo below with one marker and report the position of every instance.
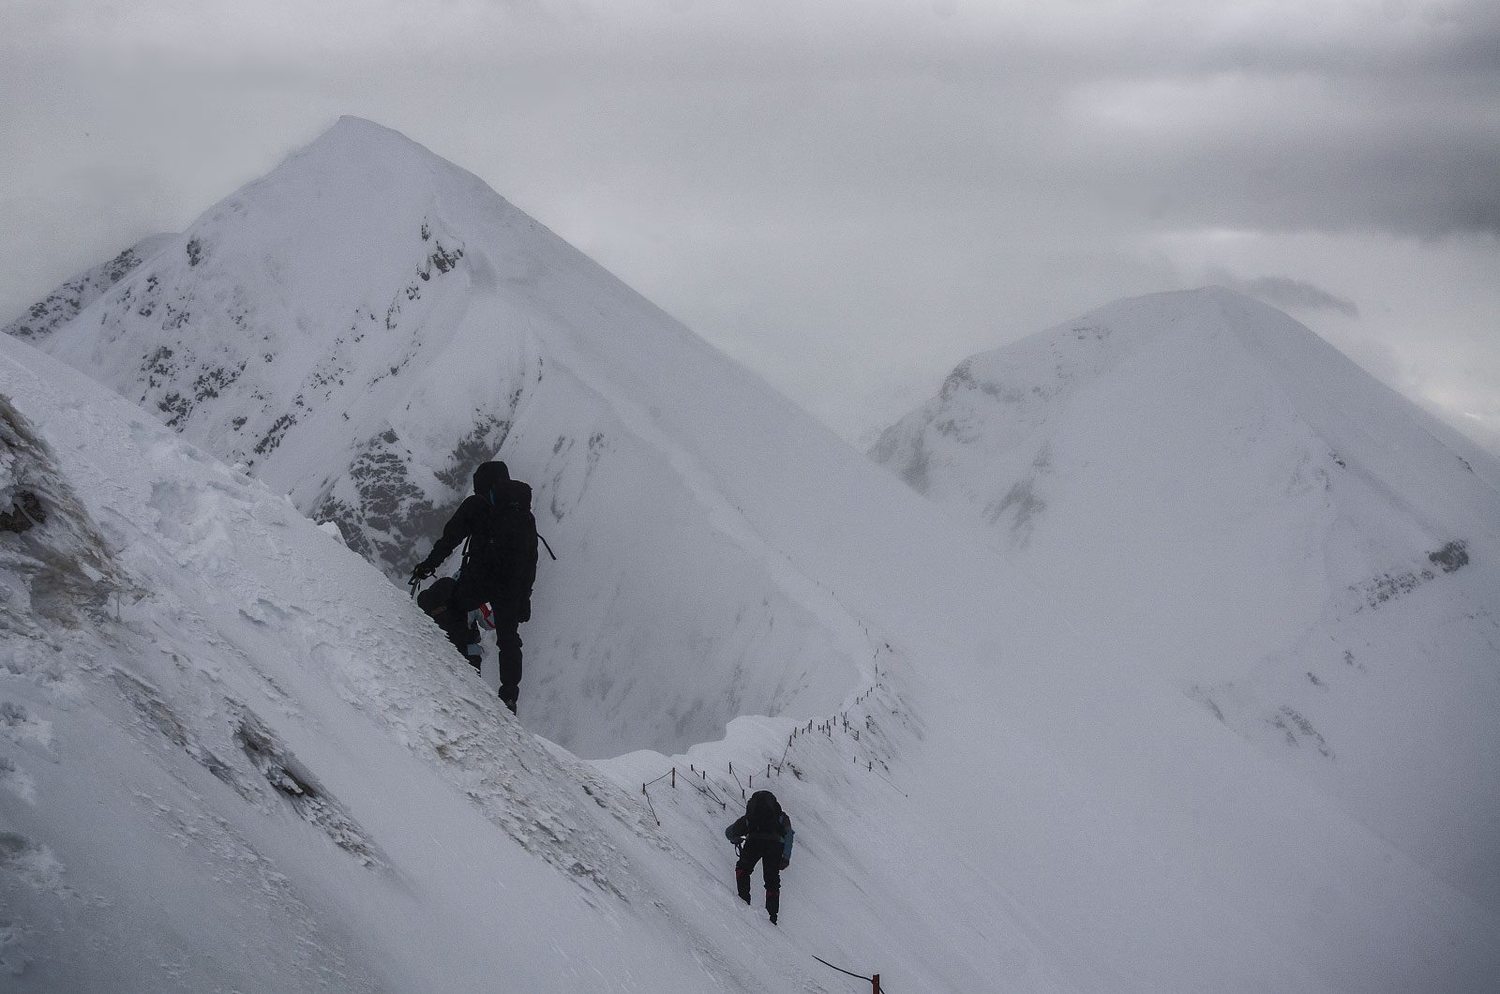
(366, 323)
(1217, 356)
(351, 132)
(1300, 549)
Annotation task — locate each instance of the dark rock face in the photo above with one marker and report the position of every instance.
(387, 517)
(63, 304)
(1378, 590)
(1451, 557)
(26, 513)
(56, 558)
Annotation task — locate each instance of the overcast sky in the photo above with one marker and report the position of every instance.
(848, 195)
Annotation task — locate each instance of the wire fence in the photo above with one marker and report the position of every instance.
(699, 780)
(862, 734)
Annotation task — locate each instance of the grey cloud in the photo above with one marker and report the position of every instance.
(832, 190)
(1388, 130)
(1384, 118)
(1287, 292)
(1307, 154)
(1283, 291)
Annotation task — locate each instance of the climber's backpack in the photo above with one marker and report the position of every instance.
(500, 557)
(763, 816)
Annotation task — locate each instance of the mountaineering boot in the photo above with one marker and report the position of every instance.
(509, 700)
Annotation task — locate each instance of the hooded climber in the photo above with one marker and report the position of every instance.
(763, 834)
(498, 532)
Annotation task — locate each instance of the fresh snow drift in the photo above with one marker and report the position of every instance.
(1308, 555)
(234, 757)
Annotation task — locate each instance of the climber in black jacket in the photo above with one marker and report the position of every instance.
(763, 834)
(498, 531)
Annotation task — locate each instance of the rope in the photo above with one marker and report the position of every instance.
(850, 973)
(703, 788)
(708, 791)
(857, 976)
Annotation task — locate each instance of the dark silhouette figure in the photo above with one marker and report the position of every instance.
(498, 532)
(763, 835)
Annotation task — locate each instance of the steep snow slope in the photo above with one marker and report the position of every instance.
(365, 324)
(63, 304)
(1308, 555)
(232, 759)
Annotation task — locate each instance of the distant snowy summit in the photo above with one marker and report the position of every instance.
(1166, 387)
(1190, 438)
(364, 325)
(287, 324)
(1248, 513)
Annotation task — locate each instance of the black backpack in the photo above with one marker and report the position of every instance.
(500, 557)
(435, 598)
(763, 815)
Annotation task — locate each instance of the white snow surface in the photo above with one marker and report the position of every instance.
(234, 757)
